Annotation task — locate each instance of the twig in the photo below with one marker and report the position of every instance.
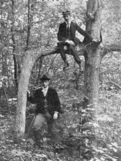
(117, 85)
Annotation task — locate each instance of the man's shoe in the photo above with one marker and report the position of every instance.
(66, 65)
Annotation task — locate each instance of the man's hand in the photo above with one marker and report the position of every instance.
(55, 116)
(65, 47)
(70, 42)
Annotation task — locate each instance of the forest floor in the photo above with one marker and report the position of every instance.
(10, 150)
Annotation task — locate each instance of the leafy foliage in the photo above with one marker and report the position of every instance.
(76, 129)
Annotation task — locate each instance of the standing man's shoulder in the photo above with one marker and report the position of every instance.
(51, 89)
(38, 90)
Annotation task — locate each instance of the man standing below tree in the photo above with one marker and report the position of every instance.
(47, 108)
(67, 38)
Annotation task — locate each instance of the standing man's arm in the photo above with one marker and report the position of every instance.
(57, 103)
(32, 99)
(58, 108)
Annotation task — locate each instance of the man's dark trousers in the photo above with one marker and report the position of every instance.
(71, 49)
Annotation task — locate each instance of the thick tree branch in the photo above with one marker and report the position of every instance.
(110, 48)
(55, 50)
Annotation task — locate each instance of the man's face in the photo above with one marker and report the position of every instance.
(45, 83)
(67, 18)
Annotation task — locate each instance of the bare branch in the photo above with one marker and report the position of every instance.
(115, 84)
(110, 48)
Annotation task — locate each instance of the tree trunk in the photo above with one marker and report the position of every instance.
(92, 65)
(14, 44)
(91, 77)
(93, 54)
(28, 62)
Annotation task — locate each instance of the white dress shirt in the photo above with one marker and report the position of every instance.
(45, 90)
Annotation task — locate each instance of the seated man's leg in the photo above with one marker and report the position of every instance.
(76, 57)
(37, 125)
(63, 55)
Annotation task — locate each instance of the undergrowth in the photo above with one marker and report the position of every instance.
(94, 140)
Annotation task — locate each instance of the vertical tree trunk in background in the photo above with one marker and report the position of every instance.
(4, 64)
(91, 77)
(14, 43)
(93, 55)
(30, 19)
(40, 66)
(92, 65)
(93, 23)
(28, 28)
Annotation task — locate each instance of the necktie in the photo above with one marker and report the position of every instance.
(67, 25)
(68, 29)
(44, 90)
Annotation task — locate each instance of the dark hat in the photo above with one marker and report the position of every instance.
(44, 78)
(66, 13)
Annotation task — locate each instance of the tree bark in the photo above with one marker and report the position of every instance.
(92, 66)
(93, 54)
(91, 76)
(27, 64)
(93, 23)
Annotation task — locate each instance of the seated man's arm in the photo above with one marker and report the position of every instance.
(82, 32)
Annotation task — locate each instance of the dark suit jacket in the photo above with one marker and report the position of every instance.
(63, 32)
(52, 100)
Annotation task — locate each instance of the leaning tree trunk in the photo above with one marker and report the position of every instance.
(27, 64)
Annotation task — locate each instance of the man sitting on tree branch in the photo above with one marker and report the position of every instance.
(67, 39)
